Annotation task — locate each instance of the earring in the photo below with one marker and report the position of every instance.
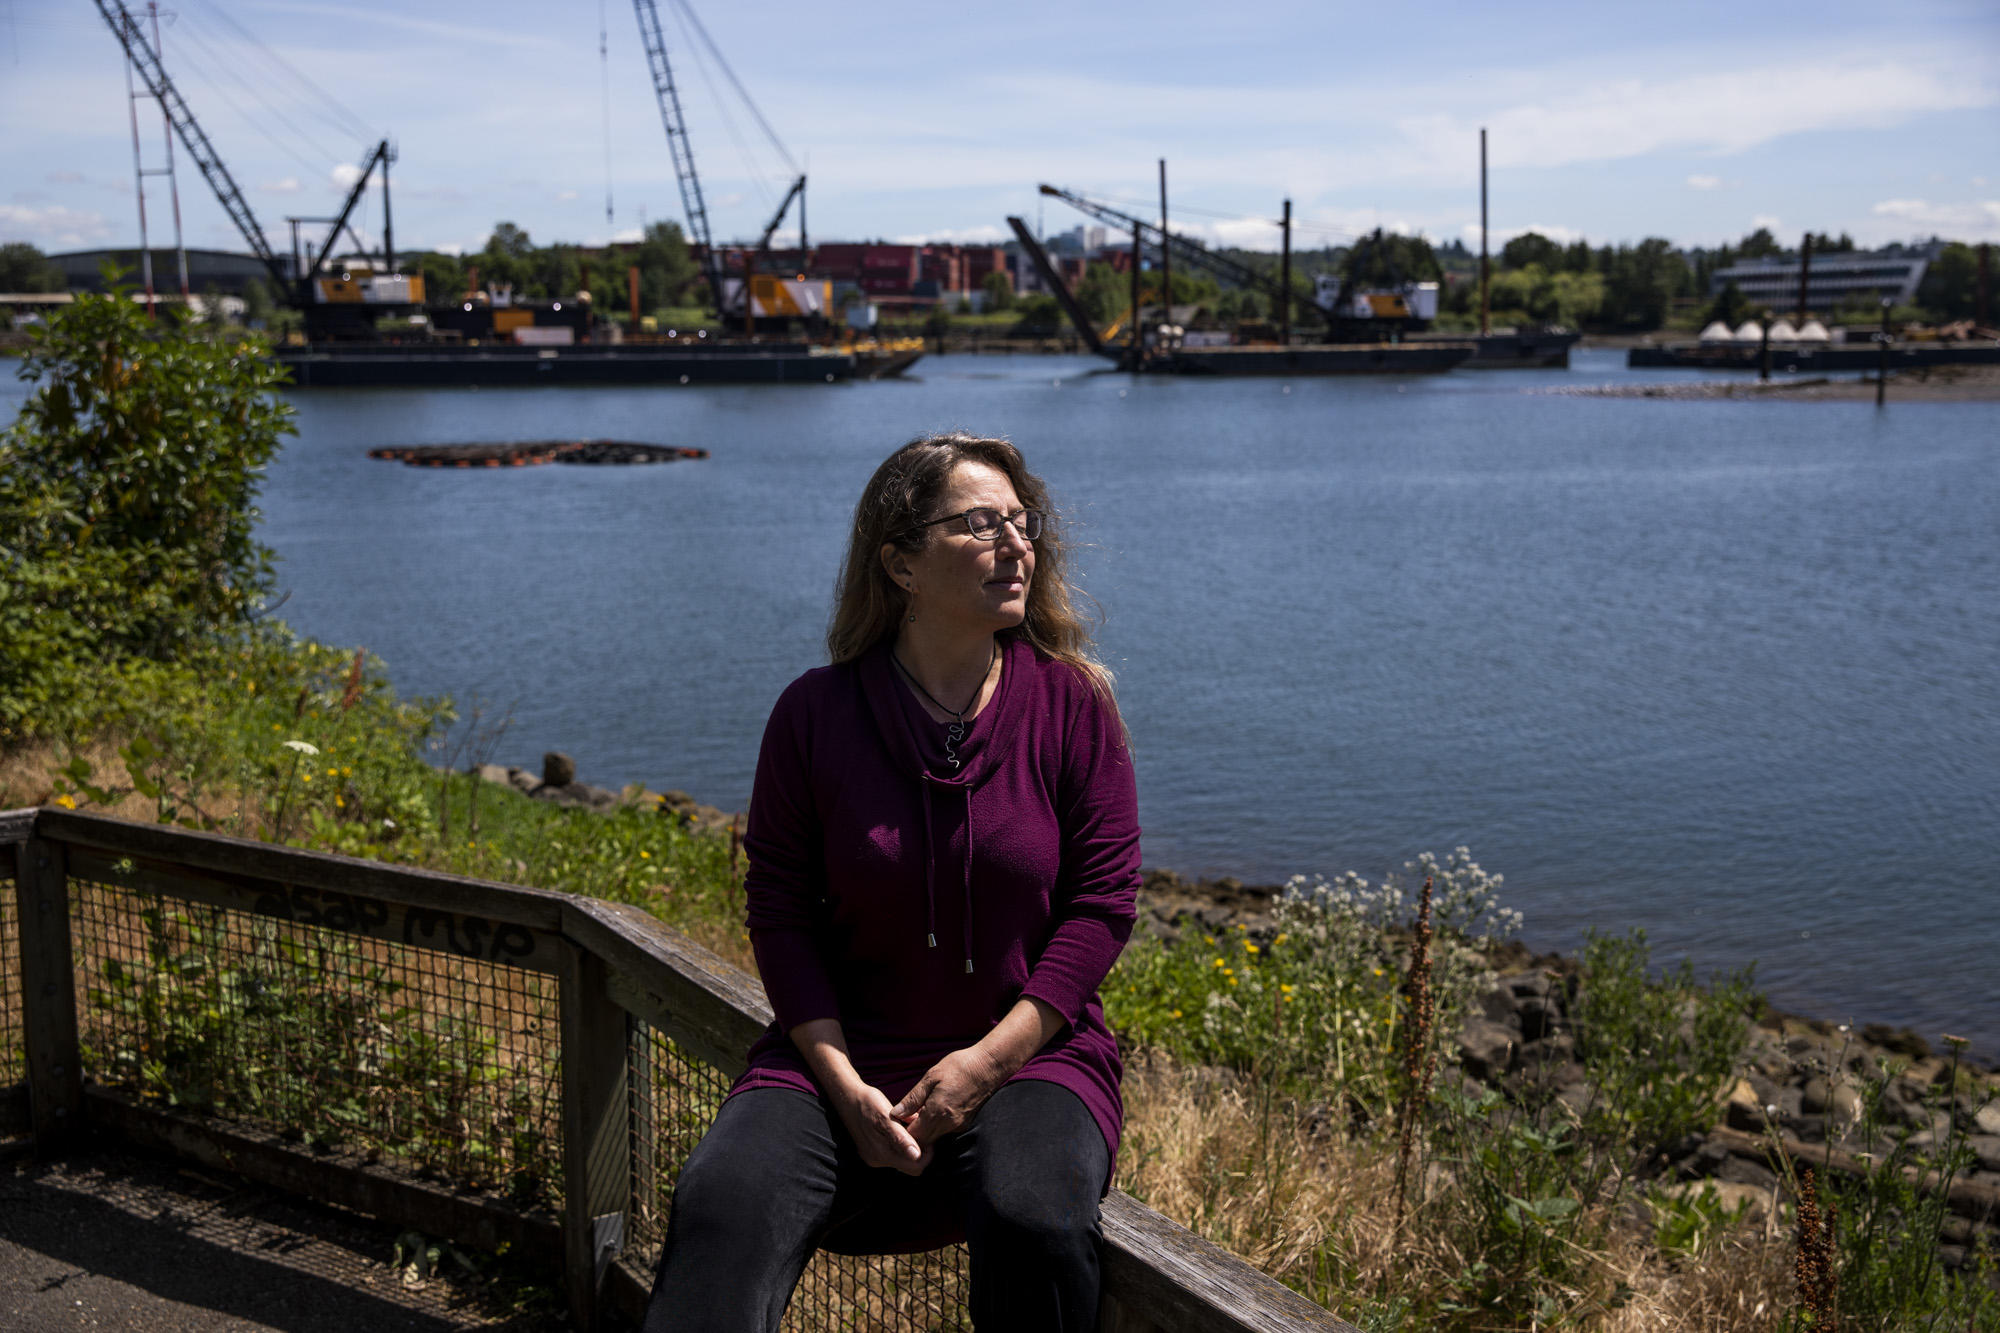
(911, 587)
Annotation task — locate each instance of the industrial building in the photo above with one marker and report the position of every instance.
(1831, 279)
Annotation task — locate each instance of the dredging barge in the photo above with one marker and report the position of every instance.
(408, 365)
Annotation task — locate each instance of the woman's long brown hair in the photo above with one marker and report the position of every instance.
(868, 605)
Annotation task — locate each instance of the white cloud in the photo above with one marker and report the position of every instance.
(1977, 220)
(289, 185)
(1704, 182)
(1722, 112)
(344, 176)
(64, 178)
(564, 196)
(1768, 222)
(54, 227)
(627, 236)
(450, 248)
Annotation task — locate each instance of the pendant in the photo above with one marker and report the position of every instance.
(953, 734)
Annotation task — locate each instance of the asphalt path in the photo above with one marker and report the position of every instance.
(117, 1241)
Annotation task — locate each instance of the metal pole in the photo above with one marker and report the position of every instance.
(388, 227)
(1805, 274)
(1166, 252)
(139, 188)
(1764, 350)
(1983, 306)
(1285, 281)
(1483, 268)
(1138, 324)
(1882, 365)
(749, 317)
(173, 181)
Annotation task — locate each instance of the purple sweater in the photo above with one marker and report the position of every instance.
(917, 903)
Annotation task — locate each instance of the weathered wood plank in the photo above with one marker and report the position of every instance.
(16, 825)
(341, 1179)
(467, 935)
(48, 993)
(596, 1127)
(714, 1010)
(321, 871)
(1161, 1273)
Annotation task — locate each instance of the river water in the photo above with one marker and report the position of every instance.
(1722, 670)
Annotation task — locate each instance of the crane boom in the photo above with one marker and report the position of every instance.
(147, 61)
(1064, 297)
(1220, 265)
(655, 41)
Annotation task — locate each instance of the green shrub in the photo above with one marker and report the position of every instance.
(127, 489)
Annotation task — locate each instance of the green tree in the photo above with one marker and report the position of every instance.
(1760, 244)
(1640, 283)
(23, 268)
(1386, 259)
(1577, 258)
(510, 240)
(444, 276)
(1950, 289)
(999, 290)
(127, 496)
(1104, 292)
(1531, 247)
(1730, 306)
(668, 275)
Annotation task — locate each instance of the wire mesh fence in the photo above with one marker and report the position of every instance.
(13, 1060)
(444, 1065)
(674, 1097)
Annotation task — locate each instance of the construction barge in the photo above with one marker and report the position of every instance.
(1313, 359)
(408, 365)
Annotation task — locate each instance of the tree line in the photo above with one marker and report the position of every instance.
(1535, 279)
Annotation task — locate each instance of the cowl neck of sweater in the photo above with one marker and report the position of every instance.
(897, 714)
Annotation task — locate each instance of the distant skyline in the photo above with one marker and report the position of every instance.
(1697, 122)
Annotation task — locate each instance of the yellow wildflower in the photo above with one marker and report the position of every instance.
(646, 855)
(1280, 939)
(1208, 939)
(1378, 971)
(1218, 962)
(1177, 1013)
(337, 800)
(305, 777)
(1232, 981)
(66, 801)
(1248, 947)
(1228, 971)
(1286, 988)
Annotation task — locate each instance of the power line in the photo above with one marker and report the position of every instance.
(741, 91)
(753, 170)
(342, 116)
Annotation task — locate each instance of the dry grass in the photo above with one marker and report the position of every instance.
(27, 778)
(1317, 1210)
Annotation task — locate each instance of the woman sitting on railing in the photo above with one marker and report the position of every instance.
(944, 861)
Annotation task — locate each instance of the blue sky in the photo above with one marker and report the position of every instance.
(1608, 121)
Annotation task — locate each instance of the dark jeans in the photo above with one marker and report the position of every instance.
(777, 1177)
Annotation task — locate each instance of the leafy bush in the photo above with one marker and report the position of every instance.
(127, 489)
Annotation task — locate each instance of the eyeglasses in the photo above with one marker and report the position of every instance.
(985, 523)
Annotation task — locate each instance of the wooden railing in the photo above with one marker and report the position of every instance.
(481, 1062)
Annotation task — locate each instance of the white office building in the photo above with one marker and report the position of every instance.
(1833, 279)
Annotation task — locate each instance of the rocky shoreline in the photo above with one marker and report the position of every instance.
(1798, 1092)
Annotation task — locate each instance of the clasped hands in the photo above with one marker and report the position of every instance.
(944, 1100)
